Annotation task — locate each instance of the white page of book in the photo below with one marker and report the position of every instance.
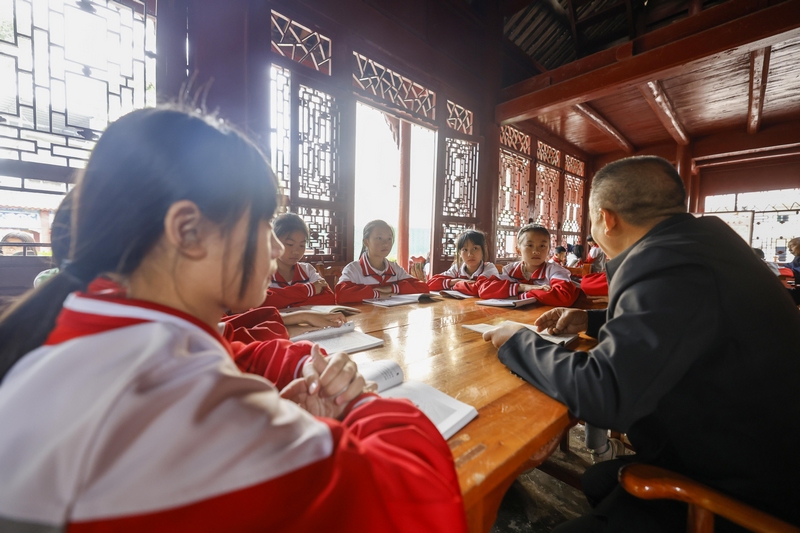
(386, 373)
(563, 338)
(447, 414)
(324, 333)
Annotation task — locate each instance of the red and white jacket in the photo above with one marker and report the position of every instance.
(483, 272)
(359, 279)
(132, 417)
(299, 290)
(562, 291)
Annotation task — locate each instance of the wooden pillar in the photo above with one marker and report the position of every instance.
(405, 193)
(683, 158)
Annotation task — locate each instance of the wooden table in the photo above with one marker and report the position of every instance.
(517, 426)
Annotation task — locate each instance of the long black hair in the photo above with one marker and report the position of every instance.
(476, 237)
(142, 164)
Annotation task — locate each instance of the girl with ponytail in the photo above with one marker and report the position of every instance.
(123, 410)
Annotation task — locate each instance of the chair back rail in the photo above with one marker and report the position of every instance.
(654, 483)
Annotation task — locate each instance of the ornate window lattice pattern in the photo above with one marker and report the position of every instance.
(515, 173)
(280, 125)
(325, 233)
(506, 243)
(548, 154)
(515, 139)
(319, 142)
(384, 83)
(67, 69)
(459, 118)
(461, 178)
(450, 233)
(573, 204)
(300, 44)
(574, 166)
(545, 208)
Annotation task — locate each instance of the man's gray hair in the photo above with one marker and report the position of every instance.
(639, 189)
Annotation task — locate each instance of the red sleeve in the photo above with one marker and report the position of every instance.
(278, 360)
(349, 292)
(411, 286)
(562, 293)
(497, 288)
(258, 324)
(283, 297)
(472, 289)
(438, 282)
(326, 297)
(389, 470)
(595, 284)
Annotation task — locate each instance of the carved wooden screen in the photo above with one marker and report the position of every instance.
(548, 182)
(460, 199)
(514, 175)
(305, 137)
(459, 118)
(68, 69)
(574, 184)
(376, 81)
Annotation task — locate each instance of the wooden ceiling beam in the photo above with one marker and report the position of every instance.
(735, 143)
(759, 69)
(573, 18)
(758, 29)
(655, 95)
(749, 158)
(605, 126)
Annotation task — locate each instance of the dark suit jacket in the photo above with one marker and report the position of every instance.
(698, 361)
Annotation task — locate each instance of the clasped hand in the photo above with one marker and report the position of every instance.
(328, 385)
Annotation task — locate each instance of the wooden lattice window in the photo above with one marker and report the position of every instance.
(304, 152)
(515, 139)
(377, 80)
(461, 179)
(300, 44)
(459, 118)
(325, 229)
(515, 172)
(545, 207)
(506, 244)
(450, 233)
(574, 166)
(573, 204)
(548, 154)
(68, 69)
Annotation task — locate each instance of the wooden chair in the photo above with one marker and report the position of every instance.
(331, 272)
(580, 271)
(653, 483)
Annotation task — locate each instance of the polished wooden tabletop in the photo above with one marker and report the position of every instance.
(517, 425)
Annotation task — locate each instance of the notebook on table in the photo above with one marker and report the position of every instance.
(507, 302)
(402, 299)
(563, 338)
(447, 414)
(343, 338)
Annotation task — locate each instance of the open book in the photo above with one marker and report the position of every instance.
(447, 414)
(455, 294)
(326, 309)
(563, 338)
(507, 302)
(344, 338)
(402, 299)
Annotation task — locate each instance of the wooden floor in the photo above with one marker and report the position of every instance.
(537, 502)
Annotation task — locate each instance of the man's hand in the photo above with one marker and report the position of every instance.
(563, 320)
(499, 335)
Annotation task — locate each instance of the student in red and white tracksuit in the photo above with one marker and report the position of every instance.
(468, 270)
(361, 280)
(533, 277)
(295, 283)
(143, 423)
(123, 410)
